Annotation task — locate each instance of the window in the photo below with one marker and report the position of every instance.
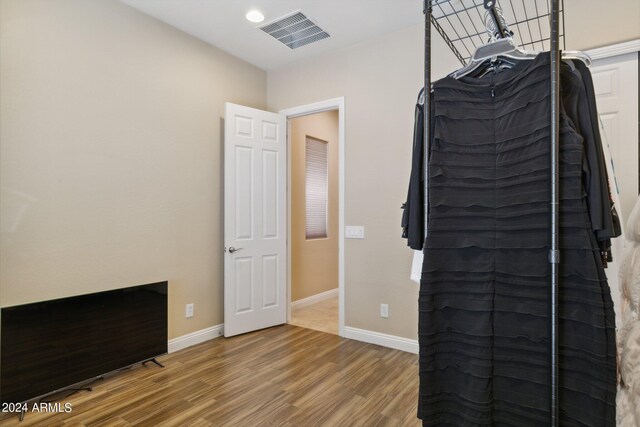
(316, 188)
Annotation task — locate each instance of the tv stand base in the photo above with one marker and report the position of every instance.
(88, 387)
(154, 360)
(71, 389)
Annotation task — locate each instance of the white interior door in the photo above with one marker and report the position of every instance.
(255, 224)
(615, 80)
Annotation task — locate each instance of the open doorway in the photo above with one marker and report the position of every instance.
(316, 216)
(314, 221)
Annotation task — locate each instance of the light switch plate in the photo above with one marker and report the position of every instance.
(354, 232)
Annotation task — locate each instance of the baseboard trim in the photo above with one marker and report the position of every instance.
(384, 340)
(371, 337)
(315, 298)
(194, 338)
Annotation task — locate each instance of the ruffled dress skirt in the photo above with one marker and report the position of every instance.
(484, 294)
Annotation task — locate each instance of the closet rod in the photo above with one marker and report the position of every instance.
(426, 108)
(554, 253)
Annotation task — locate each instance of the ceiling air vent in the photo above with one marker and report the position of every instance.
(295, 30)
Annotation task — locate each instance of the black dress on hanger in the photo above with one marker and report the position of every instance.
(483, 304)
(413, 214)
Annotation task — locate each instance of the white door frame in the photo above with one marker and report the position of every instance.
(614, 49)
(304, 110)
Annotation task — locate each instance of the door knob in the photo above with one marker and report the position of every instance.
(232, 249)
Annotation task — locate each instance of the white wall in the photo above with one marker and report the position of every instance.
(596, 23)
(110, 130)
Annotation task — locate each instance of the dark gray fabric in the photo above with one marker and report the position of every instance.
(413, 214)
(483, 302)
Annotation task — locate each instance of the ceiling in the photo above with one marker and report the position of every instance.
(222, 23)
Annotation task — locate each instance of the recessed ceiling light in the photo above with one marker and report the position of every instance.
(255, 16)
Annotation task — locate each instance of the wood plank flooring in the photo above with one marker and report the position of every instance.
(282, 376)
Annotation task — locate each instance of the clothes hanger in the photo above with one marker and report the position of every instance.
(502, 51)
(577, 55)
(504, 48)
(495, 66)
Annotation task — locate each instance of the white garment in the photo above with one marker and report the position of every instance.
(628, 400)
(416, 266)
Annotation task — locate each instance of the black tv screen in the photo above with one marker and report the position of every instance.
(47, 346)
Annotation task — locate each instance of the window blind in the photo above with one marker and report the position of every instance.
(316, 188)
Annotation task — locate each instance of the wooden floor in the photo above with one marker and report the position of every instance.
(321, 316)
(283, 376)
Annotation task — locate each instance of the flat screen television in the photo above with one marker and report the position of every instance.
(50, 345)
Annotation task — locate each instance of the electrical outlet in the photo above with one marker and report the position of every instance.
(188, 312)
(384, 310)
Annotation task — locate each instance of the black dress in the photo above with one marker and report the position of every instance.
(483, 304)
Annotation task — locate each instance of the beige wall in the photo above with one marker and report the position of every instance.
(314, 263)
(110, 129)
(380, 79)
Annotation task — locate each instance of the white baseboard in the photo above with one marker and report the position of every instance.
(385, 340)
(194, 338)
(378, 338)
(315, 298)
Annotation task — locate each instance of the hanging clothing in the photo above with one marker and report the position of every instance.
(611, 250)
(579, 102)
(413, 209)
(628, 401)
(483, 303)
(416, 266)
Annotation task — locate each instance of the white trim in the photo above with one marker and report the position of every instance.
(316, 107)
(194, 338)
(303, 110)
(384, 340)
(288, 298)
(614, 50)
(378, 338)
(341, 248)
(304, 302)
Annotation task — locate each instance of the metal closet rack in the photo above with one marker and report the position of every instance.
(462, 23)
(532, 24)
